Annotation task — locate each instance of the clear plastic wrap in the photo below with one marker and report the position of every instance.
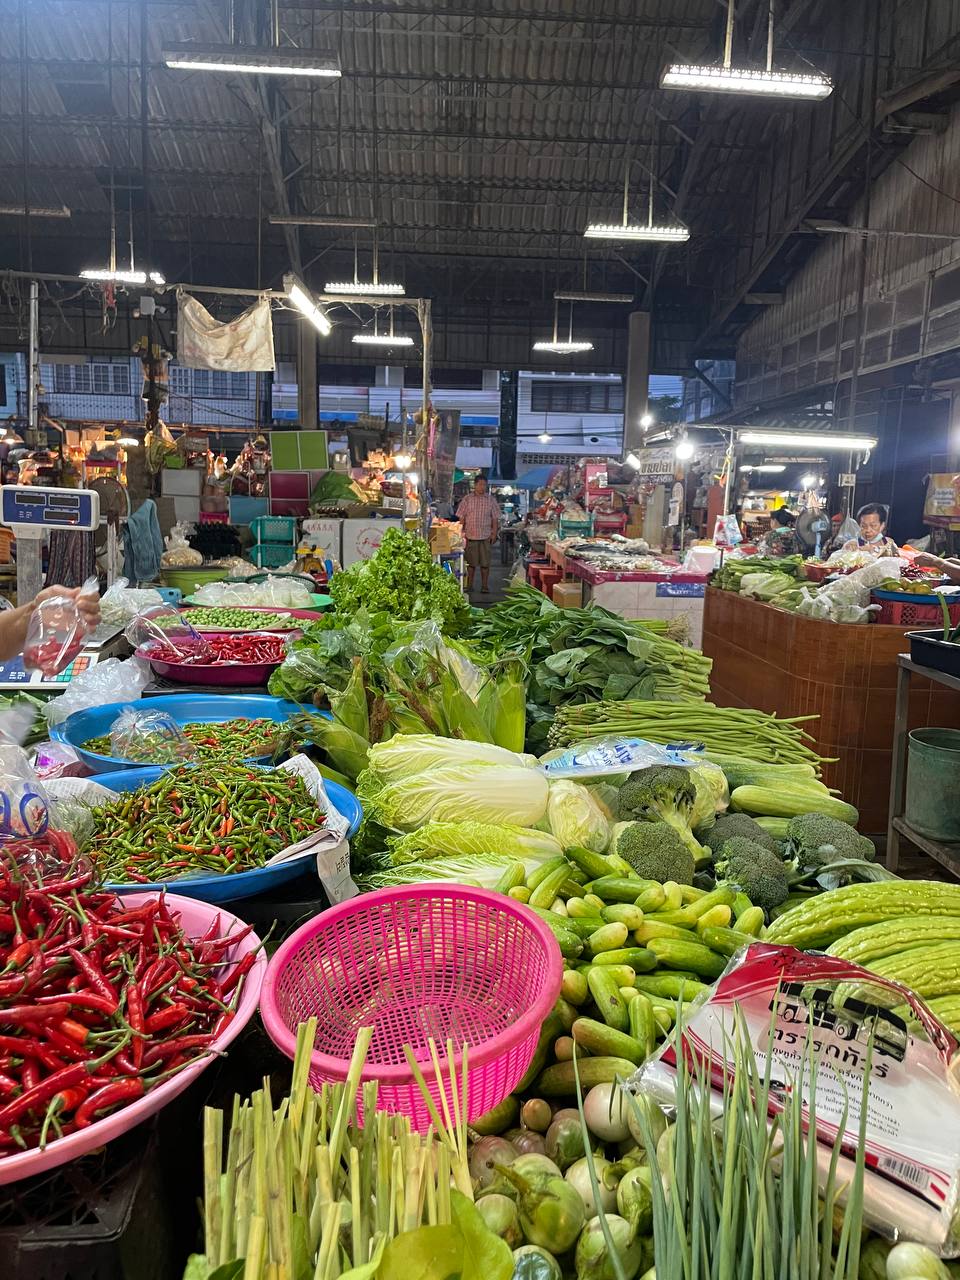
(121, 602)
(848, 599)
(860, 1027)
(149, 736)
(56, 632)
(164, 629)
(274, 593)
(24, 804)
(179, 553)
(56, 760)
(113, 680)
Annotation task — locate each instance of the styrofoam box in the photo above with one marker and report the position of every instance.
(187, 509)
(361, 538)
(186, 483)
(325, 535)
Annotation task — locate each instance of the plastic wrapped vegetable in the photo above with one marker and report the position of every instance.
(764, 586)
(148, 735)
(407, 754)
(576, 817)
(479, 792)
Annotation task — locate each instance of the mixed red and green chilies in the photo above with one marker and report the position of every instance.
(100, 1001)
(237, 739)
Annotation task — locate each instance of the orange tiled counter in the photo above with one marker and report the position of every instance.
(847, 675)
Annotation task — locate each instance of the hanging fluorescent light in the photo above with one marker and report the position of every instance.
(769, 468)
(810, 439)
(104, 275)
(298, 294)
(35, 211)
(633, 461)
(563, 348)
(365, 288)
(250, 60)
(128, 442)
(666, 233)
(625, 298)
(382, 340)
(761, 83)
(308, 220)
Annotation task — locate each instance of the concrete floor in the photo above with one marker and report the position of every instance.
(499, 578)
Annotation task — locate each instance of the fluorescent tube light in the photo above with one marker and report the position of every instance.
(35, 210)
(633, 461)
(666, 233)
(250, 60)
(769, 468)
(810, 439)
(752, 80)
(563, 348)
(298, 294)
(382, 340)
(593, 297)
(104, 275)
(361, 288)
(128, 442)
(305, 220)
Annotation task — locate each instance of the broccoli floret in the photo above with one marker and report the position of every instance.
(656, 852)
(815, 840)
(763, 876)
(662, 793)
(729, 825)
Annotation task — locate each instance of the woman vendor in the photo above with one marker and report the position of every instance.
(873, 538)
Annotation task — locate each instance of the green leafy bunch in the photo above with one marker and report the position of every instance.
(402, 579)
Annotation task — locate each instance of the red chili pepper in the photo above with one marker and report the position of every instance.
(93, 976)
(136, 1019)
(8, 1085)
(167, 1048)
(16, 1015)
(79, 1000)
(231, 980)
(106, 1098)
(168, 1017)
(28, 1047)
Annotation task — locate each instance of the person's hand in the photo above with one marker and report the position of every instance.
(88, 606)
(926, 560)
(494, 537)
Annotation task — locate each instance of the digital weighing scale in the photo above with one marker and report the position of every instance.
(31, 511)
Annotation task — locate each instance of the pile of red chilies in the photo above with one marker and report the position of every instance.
(226, 650)
(99, 1002)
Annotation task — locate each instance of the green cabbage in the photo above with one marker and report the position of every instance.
(442, 839)
(478, 792)
(713, 794)
(407, 754)
(576, 816)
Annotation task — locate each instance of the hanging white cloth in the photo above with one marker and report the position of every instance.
(242, 345)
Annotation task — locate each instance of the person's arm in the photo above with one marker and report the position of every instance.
(950, 568)
(494, 521)
(14, 622)
(463, 503)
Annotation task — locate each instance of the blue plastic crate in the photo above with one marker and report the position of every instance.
(275, 529)
(271, 555)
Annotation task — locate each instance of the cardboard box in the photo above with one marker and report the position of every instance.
(568, 595)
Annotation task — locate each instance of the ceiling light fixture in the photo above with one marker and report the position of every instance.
(661, 233)
(128, 442)
(308, 220)
(769, 468)
(633, 461)
(35, 211)
(365, 288)
(759, 82)
(544, 437)
(808, 482)
(646, 421)
(250, 60)
(559, 347)
(402, 461)
(377, 339)
(107, 275)
(593, 297)
(809, 440)
(684, 450)
(303, 300)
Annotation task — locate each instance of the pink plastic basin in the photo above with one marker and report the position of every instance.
(227, 673)
(195, 917)
(440, 961)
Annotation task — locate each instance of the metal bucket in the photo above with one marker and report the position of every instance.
(933, 783)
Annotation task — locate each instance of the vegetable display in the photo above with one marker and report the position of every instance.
(227, 619)
(236, 739)
(98, 1001)
(192, 821)
(580, 655)
(401, 579)
(223, 650)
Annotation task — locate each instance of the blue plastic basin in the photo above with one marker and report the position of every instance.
(245, 884)
(185, 708)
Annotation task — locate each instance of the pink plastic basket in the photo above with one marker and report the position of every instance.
(440, 961)
(195, 917)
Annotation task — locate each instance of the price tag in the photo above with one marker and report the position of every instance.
(333, 868)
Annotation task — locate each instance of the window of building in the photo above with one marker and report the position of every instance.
(179, 380)
(576, 397)
(240, 386)
(101, 379)
(445, 379)
(201, 382)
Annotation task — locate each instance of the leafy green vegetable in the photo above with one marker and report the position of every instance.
(480, 792)
(450, 839)
(402, 579)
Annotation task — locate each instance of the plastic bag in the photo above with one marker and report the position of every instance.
(113, 680)
(726, 532)
(790, 1001)
(606, 757)
(576, 816)
(56, 760)
(149, 736)
(121, 602)
(163, 629)
(24, 804)
(848, 599)
(179, 553)
(56, 632)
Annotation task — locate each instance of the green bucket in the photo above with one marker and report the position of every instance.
(933, 783)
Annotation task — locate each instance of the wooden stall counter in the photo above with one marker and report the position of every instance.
(782, 662)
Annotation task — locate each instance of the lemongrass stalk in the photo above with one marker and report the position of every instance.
(431, 1181)
(228, 1189)
(396, 1191)
(348, 1099)
(444, 1209)
(449, 1134)
(300, 1087)
(244, 1177)
(382, 1198)
(253, 1258)
(357, 1218)
(327, 1254)
(212, 1164)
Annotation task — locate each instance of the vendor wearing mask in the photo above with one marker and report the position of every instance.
(873, 538)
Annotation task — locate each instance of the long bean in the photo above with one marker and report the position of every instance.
(740, 731)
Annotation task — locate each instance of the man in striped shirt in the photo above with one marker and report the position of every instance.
(480, 517)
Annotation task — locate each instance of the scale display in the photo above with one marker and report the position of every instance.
(30, 510)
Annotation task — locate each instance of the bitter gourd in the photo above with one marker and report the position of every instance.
(827, 917)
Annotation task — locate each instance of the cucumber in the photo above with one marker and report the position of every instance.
(520, 894)
(548, 1033)
(512, 878)
(607, 938)
(726, 942)
(670, 986)
(643, 1024)
(571, 888)
(546, 890)
(561, 1081)
(664, 1018)
(578, 908)
(573, 988)
(593, 901)
(672, 895)
(599, 1039)
(619, 888)
(654, 929)
(718, 915)
(583, 926)
(638, 958)
(567, 939)
(565, 1012)
(682, 917)
(651, 899)
(628, 994)
(502, 1117)
(750, 921)
(623, 974)
(623, 913)
(559, 907)
(741, 903)
(687, 955)
(690, 893)
(606, 996)
(547, 868)
(723, 896)
(621, 867)
(594, 864)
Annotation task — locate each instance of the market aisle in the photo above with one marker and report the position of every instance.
(499, 580)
